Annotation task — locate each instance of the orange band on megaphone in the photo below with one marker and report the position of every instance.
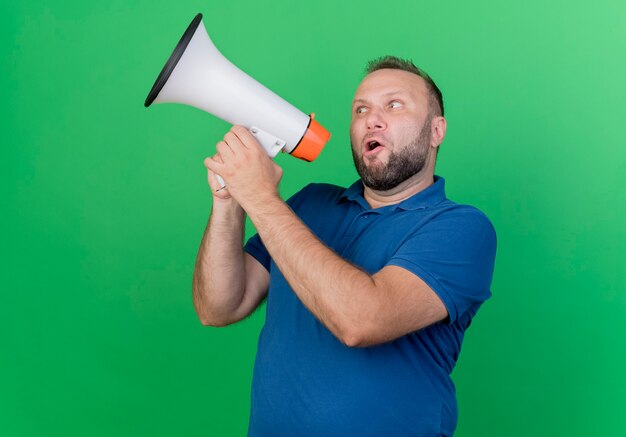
(313, 141)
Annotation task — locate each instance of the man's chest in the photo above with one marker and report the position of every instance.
(368, 239)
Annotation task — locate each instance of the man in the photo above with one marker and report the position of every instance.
(370, 288)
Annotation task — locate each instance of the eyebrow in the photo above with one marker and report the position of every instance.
(388, 94)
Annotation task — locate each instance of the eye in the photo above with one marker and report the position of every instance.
(395, 104)
(360, 109)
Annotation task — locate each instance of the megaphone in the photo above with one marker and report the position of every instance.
(197, 74)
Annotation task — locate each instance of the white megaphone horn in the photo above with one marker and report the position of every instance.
(197, 74)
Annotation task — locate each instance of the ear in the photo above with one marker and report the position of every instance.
(438, 131)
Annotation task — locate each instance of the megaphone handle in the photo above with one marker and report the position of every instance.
(270, 143)
(221, 181)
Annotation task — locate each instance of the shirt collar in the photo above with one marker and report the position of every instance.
(430, 196)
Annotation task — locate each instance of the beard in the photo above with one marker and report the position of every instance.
(403, 164)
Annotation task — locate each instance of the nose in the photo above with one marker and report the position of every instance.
(375, 120)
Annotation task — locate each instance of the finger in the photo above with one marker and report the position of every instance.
(215, 157)
(220, 191)
(214, 165)
(246, 137)
(214, 182)
(224, 151)
(234, 142)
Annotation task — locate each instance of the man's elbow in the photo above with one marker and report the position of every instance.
(213, 320)
(353, 341)
(356, 336)
(215, 323)
(208, 315)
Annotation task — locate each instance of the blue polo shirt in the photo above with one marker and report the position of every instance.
(307, 383)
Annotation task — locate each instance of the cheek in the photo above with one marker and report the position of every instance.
(354, 139)
(408, 130)
(353, 131)
(357, 127)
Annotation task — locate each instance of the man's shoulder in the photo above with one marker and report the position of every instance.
(317, 193)
(462, 216)
(453, 207)
(322, 188)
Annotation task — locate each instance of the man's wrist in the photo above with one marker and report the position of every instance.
(228, 208)
(263, 205)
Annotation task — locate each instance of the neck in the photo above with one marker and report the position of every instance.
(408, 188)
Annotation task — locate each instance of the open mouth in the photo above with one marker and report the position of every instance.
(372, 147)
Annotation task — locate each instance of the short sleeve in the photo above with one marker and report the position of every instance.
(255, 246)
(454, 254)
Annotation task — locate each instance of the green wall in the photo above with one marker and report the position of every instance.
(104, 203)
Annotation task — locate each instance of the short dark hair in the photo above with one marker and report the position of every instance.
(435, 101)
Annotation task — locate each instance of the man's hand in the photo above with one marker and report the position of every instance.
(249, 173)
(219, 192)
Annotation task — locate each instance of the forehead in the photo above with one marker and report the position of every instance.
(390, 81)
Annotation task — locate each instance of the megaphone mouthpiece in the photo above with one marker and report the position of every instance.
(313, 141)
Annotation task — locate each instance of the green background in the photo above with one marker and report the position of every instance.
(104, 203)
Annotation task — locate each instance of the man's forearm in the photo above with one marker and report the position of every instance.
(219, 278)
(323, 281)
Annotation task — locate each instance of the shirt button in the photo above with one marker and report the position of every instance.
(366, 215)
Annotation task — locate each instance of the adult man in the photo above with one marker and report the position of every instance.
(370, 288)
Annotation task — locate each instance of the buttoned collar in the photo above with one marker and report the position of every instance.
(430, 196)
